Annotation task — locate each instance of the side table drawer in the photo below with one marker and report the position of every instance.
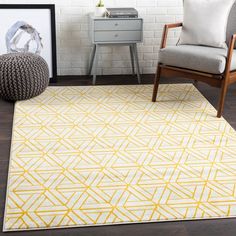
(117, 25)
(117, 36)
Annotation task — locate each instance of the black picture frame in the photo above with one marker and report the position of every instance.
(50, 7)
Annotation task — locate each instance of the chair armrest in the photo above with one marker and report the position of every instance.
(230, 54)
(165, 32)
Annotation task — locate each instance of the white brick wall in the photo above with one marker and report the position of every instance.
(74, 46)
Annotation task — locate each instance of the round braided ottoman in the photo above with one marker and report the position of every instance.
(22, 76)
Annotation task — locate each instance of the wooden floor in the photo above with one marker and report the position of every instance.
(222, 227)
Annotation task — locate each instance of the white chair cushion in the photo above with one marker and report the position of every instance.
(198, 58)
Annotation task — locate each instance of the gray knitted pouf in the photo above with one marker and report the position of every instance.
(22, 76)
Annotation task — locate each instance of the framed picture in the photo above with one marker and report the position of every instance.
(29, 28)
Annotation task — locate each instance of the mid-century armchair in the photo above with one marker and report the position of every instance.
(214, 66)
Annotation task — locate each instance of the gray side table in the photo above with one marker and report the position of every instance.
(111, 31)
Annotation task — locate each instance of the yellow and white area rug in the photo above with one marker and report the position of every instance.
(85, 156)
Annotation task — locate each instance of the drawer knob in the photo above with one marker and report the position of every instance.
(116, 35)
(116, 24)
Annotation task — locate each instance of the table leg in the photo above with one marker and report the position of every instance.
(92, 60)
(132, 58)
(137, 62)
(95, 64)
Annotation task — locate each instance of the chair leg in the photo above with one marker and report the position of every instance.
(156, 83)
(224, 89)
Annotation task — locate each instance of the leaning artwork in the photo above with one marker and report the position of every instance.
(23, 37)
(29, 28)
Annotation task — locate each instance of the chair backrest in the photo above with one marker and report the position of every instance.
(231, 28)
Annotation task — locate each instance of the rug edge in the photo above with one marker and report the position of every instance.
(8, 173)
(121, 223)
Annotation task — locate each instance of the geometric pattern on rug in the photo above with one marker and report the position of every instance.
(101, 155)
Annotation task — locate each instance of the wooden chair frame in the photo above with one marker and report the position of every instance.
(221, 81)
